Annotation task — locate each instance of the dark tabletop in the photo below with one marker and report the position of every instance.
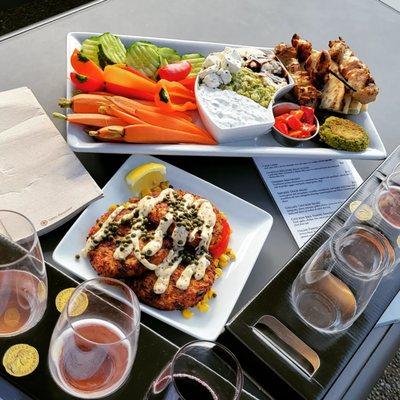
(37, 59)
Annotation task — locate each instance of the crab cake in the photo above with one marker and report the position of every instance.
(343, 134)
(178, 230)
(173, 298)
(102, 256)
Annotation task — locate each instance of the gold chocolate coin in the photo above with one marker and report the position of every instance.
(79, 305)
(364, 212)
(21, 359)
(354, 205)
(11, 317)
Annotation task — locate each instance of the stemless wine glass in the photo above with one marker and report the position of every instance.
(23, 279)
(388, 200)
(337, 283)
(94, 343)
(201, 370)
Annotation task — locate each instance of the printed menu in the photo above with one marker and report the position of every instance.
(308, 191)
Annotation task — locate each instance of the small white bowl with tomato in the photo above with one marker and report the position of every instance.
(294, 124)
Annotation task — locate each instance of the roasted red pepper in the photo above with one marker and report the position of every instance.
(176, 71)
(86, 84)
(219, 248)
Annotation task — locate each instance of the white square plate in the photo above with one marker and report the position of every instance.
(264, 145)
(250, 227)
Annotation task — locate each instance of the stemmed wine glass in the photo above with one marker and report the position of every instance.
(94, 343)
(23, 279)
(201, 370)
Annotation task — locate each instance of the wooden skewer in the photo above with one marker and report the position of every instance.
(342, 80)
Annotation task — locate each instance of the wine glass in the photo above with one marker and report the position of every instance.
(336, 284)
(94, 343)
(23, 279)
(201, 370)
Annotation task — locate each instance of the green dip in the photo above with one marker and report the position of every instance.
(247, 83)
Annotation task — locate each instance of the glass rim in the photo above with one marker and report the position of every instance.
(135, 304)
(182, 350)
(35, 239)
(390, 176)
(339, 234)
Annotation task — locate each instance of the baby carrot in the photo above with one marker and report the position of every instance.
(84, 103)
(169, 121)
(98, 120)
(144, 133)
(114, 111)
(130, 106)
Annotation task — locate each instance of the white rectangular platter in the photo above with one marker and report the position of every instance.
(262, 146)
(250, 227)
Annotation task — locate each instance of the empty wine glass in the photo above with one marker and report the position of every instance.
(201, 370)
(337, 283)
(23, 279)
(94, 343)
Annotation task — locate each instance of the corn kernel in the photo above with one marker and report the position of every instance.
(224, 260)
(218, 272)
(211, 294)
(230, 253)
(203, 306)
(186, 313)
(112, 207)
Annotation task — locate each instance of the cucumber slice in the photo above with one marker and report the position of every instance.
(111, 50)
(90, 48)
(144, 57)
(192, 56)
(196, 60)
(170, 55)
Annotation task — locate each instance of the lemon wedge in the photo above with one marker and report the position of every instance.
(146, 176)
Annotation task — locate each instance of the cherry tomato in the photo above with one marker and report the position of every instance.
(85, 83)
(176, 71)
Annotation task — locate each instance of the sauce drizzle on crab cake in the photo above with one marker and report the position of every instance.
(157, 238)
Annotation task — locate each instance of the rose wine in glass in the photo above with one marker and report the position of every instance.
(92, 356)
(94, 343)
(23, 280)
